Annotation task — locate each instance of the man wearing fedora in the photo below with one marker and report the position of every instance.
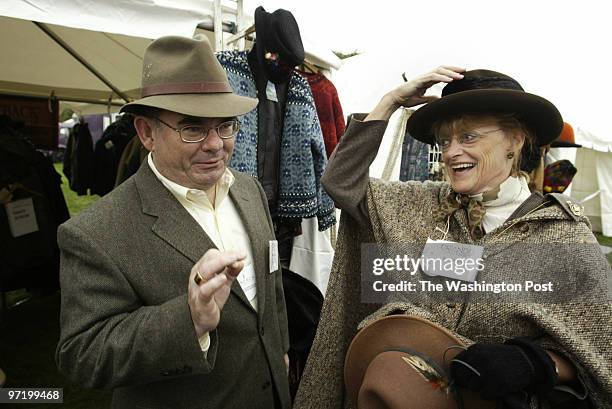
(150, 306)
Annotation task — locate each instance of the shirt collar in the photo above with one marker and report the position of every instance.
(196, 196)
(513, 189)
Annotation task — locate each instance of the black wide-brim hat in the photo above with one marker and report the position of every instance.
(488, 92)
(278, 32)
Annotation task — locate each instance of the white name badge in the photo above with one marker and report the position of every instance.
(453, 260)
(271, 92)
(21, 217)
(273, 256)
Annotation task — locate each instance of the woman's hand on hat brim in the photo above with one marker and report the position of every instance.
(412, 92)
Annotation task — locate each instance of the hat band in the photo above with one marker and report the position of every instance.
(206, 87)
(471, 84)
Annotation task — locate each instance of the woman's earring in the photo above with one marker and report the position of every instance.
(510, 155)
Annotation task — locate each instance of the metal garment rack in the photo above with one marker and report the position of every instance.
(236, 11)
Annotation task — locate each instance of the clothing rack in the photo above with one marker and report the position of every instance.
(236, 11)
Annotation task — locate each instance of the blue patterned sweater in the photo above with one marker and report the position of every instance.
(302, 153)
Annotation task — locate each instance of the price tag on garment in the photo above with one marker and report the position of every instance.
(247, 281)
(273, 256)
(271, 92)
(453, 260)
(21, 217)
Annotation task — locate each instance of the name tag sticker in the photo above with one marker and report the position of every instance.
(273, 255)
(453, 260)
(21, 217)
(271, 92)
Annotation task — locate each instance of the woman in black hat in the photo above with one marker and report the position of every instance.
(526, 347)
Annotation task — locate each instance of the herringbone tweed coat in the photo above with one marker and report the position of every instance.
(125, 321)
(553, 240)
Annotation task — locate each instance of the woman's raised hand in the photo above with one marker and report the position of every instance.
(412, 92)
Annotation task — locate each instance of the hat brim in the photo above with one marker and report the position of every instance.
(538, 114)
(399, 331)
(560, 144)
(212, 105)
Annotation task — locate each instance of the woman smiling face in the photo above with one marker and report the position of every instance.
(479, 151)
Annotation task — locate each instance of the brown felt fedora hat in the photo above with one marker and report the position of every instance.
(399, 362)
(485, 91)
(183, 75)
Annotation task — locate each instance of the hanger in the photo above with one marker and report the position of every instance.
(242, 34)
(51, 100)
(308, 66)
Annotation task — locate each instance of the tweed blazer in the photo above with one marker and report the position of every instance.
(535, 241)
(125, 321)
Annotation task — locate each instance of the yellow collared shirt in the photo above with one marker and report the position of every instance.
(220, 222)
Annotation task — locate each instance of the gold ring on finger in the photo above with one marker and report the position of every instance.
(198, 278)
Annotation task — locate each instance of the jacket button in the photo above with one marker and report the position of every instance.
(266, 385)
(261, 331)
(524, 228)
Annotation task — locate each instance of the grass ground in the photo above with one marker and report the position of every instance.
(604, 240)
(75, 202)
(29, 332)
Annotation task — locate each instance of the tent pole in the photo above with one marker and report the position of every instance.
(90, 101)
(68, 99)
(218, 25)
(80, 59)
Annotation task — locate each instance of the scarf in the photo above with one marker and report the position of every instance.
(513, 189)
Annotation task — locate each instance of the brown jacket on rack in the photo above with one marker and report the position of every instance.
(553, 240)
(125, 321)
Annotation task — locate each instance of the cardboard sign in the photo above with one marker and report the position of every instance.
(39, 115)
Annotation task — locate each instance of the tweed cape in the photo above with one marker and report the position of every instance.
(579, 331)
(302, 153)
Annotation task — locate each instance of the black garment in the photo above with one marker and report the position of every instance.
(270, 116)
(304, 302)
(108, 151)
(30, 260)
(129, 163)
(79, 159)
(509, 373)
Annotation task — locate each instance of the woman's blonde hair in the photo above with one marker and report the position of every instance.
(509, 123)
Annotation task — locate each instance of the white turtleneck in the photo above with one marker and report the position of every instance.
(512, 192)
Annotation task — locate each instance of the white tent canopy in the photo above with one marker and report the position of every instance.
(85, 50)
(594, 178)
(92, 50)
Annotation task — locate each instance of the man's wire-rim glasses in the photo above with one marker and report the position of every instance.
(198, 133)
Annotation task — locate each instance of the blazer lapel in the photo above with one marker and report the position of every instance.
(253, 224)
(174, 224)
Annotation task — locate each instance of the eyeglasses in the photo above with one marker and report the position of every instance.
(197, 133)
(465, 139)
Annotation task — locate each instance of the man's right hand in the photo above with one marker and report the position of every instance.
(218, 271)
